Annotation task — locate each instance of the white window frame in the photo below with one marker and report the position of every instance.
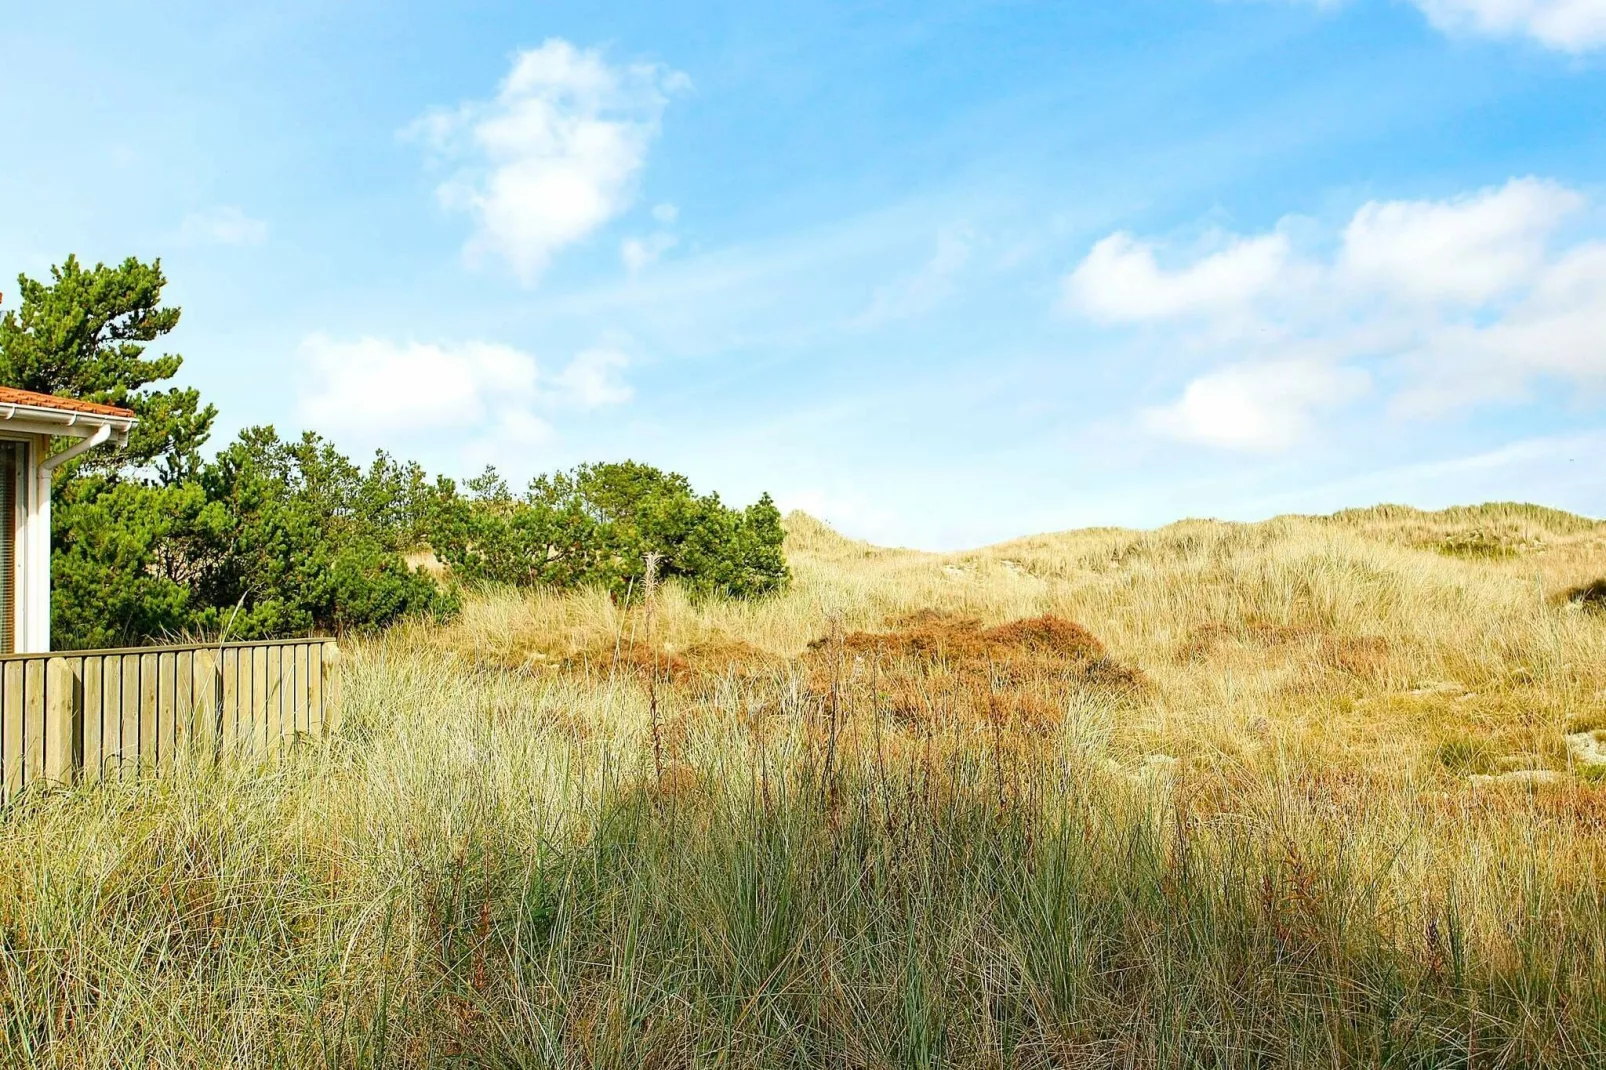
(30, 621)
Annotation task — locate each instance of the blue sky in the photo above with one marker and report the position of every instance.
(941, 273)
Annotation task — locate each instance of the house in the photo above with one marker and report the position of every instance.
(28, 423)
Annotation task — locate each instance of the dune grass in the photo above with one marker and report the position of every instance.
(1303, 796)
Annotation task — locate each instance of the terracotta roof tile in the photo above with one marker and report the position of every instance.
(13, 396)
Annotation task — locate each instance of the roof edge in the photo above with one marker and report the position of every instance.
(15, 398)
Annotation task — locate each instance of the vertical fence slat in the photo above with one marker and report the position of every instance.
(231, 698)
(259, 698)
(287, 697)
(183, 702)
(272, 701)
(11, 715)
(310, 661)
(133, 745)
(149, 740)
(330, 660)
(163, 705)
(63, 720)
(295, 662)
(33, 728)
(314, 653)
(111, 715)
(204, 677)
(247, 729)
(250, 732)
(94, 758)
(244, 727)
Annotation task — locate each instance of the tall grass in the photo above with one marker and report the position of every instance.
(1269, 855)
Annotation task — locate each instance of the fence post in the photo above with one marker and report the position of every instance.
(64, 721)
(331, 688)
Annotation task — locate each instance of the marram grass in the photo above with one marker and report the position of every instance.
(1285, 833)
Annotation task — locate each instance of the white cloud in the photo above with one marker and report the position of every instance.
(554, 156)
(1121, 279)
(637, 253)
(374, 385)
(1556, 330)
(665, 213)
(224, 225)
(1567, 25)
(1463, 300)
(1468, 250)
(1257, 407)
(380, 391)
(595, 378)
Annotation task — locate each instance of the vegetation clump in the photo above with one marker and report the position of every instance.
(935, 635)
(595, 526)
(277, 537)
(938, 666)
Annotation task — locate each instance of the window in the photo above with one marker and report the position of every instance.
(13, 515)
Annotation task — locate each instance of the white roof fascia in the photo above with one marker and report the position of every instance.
(38, 420)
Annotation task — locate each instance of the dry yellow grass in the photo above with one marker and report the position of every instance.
(1363, 641)
(1277, 824)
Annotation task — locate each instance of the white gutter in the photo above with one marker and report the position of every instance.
(77, 449)
(67, 418)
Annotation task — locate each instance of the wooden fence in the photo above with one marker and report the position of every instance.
(93, 714)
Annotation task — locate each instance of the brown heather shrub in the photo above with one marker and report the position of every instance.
(933, 667)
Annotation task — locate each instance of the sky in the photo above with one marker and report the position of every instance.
(941, 273)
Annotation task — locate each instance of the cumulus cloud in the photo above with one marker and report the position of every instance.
(1469, 250)
(554, 156)
(1463, 300)
(224, 225)
(1567, 25)
(377, 390)
(375, 385)
(1122, 281)
(1259, 407)
(1556, 329)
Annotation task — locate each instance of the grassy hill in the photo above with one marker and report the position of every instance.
(1311, 792)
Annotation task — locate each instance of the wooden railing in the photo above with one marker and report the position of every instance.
(93, 714)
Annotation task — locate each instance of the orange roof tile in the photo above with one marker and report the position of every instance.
(13, 396)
